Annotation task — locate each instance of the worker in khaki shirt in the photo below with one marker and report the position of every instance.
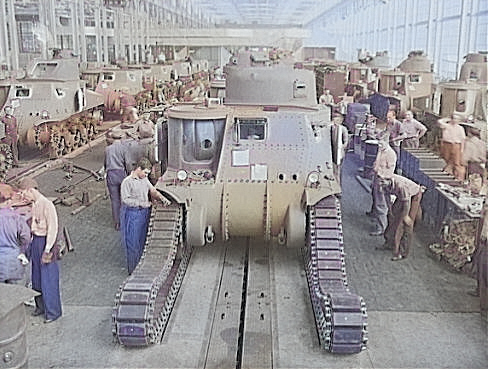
(45, 268)
(452, 145)
(474, 153)
(402, 215)
(383, 167)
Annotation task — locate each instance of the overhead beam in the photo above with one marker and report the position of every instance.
(228, 36)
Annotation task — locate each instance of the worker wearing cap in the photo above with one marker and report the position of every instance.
(115, 167)
(452, 145)
(11, 133)
(45, 268)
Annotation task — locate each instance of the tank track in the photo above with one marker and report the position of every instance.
(145, 299)
(340, 315)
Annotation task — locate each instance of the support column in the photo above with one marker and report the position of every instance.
(4, 42)
(14, 40)
(105, 37)
(463, 35)
(82, 33)
(98, 32)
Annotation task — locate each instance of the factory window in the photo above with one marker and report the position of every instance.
(29, 41)
(299, 89)
(22, 92)
(398, 82)
(251, 129)
(414, 78)
(64, 21)
(461, 101)
(60, 92)
(108, 76)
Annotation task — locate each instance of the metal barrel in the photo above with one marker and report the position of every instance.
(13, 342)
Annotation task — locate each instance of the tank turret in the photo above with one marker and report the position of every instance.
(409, 85)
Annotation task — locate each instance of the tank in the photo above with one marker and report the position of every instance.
(409, 85)
(259, 165)
(466, 97)
(53, 108)
(361, 81)
(330, 75)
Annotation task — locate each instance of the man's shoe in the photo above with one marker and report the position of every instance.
(376, 233)
(37, 312)
(47, 321)
(398, 257)
(474, 293)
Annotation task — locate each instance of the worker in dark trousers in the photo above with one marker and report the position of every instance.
(11, 134)
(136, 207)
(45, 268)
(115, 167)
(398, 233)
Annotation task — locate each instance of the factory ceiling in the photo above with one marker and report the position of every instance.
(257, 13)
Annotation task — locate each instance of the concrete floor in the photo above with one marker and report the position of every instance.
(419, 312)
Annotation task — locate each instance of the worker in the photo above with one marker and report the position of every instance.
(383, 167)
(413, 131)
(396, 134)
(474, 153)
(326, 98)
(402, 215)
(136, 206)
(11, 134)
(128, 103)
(452, 145)
(116, 169)
(340, 135)
(14, 239)
(44, 257)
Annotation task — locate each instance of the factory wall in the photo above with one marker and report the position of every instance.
(446, 30)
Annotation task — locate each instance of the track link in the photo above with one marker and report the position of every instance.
(340, 315)
(145, 299)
